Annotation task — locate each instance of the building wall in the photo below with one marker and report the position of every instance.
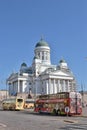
(3, 94)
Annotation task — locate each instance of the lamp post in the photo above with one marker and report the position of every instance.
(76, 101)
(82, 92)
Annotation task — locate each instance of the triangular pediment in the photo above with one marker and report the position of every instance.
(61, 73)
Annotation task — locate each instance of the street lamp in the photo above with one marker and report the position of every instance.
(82, 92)
(76, 101)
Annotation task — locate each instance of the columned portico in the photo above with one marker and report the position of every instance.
(49, 86)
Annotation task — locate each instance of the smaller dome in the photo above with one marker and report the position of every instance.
(62, 61)
(23, 65)
(63, 64)
(41, 43)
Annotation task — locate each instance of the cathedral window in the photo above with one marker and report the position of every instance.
(39, 54)
(42, 55)
(46, 56)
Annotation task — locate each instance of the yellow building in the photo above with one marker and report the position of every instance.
(3, 94)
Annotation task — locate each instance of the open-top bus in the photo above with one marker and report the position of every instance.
(60, 103)
(13, 104)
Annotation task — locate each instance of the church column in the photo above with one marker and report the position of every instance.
(64, 86)
(48, 56)
(54, 86)
(45, 56)
(68, 89)
(49, 86)
(40, 55)
(60, 89)
(58, 86)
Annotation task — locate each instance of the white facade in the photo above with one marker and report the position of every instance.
(42, 77)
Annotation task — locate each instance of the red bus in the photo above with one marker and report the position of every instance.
(59, 104)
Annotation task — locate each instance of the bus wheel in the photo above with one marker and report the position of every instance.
(58, 112)
(54, 112)
(39, 111)
(10, 108)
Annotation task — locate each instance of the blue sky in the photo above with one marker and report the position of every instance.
(63, 24)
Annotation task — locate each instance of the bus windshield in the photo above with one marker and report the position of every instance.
(19, 100)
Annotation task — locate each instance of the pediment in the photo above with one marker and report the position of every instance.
(61, 73)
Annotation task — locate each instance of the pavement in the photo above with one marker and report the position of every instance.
(84, 111)
(84, 114)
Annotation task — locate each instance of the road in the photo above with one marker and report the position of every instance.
(23, 120)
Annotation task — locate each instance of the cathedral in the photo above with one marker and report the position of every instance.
(42, 77)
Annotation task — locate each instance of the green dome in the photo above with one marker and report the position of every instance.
(62, 61)
(24, 64)
(41, 43)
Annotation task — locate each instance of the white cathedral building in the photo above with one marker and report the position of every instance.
(42, 77)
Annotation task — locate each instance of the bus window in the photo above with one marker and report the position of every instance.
(19, 100)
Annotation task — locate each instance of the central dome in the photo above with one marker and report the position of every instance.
(41, 43)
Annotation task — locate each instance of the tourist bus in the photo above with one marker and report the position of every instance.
(13, 104)
(62, 103)
(29, 103)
